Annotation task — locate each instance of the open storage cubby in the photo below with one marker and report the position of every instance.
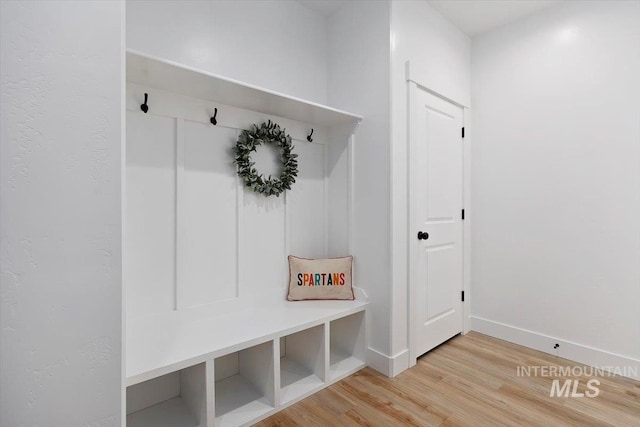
(302, 363)
(347, 345)
(175, 399)
(244, 385)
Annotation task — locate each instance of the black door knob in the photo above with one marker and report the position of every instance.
(423, 235)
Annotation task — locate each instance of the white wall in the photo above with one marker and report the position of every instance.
(556, 181)
(421, 35)
(61, 67)
(279, 45)
(358, 81)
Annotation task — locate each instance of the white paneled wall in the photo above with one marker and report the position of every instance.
(307, 202)
(208, 216)
(263, 243)
(195, 236)
(338, 166)
(151, 213)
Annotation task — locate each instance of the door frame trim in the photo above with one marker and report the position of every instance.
(422, 74)
(466, 223)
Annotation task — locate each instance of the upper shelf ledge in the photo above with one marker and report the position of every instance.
(160, 73)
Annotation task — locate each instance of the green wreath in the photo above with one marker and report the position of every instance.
(251, 139)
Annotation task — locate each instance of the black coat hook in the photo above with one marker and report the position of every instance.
(213, 119)
(144, 107)
(309, 136)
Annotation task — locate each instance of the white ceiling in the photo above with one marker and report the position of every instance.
(477, 16)
(471, 16)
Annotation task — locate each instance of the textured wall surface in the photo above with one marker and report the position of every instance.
(60, 352)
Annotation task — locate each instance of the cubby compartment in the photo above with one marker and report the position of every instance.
(347, 345)
(175, 399)
(302, 363)
(244, 385)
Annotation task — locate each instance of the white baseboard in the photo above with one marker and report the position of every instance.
(622, 365)
(388, 365)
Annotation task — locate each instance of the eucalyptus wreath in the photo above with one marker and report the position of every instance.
(251, 139)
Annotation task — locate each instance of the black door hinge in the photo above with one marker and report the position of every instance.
(462, 296)
(463, 214)
(463, 131)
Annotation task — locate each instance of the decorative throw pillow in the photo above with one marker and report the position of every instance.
(311, 279)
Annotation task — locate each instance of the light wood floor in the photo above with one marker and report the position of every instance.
(468, 381)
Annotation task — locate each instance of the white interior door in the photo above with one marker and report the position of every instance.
(436, 168)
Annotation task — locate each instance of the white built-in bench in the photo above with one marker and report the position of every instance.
(210, 340)
(199, 369)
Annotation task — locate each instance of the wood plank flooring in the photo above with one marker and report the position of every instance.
(468, 381)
